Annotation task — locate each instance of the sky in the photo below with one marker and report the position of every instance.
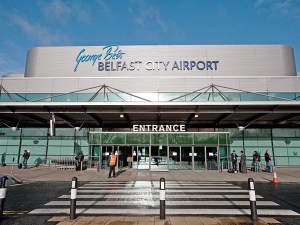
(30, 23)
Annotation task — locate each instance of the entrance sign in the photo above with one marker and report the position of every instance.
(159, 128)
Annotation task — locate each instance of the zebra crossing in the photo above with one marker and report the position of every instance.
(142, 198)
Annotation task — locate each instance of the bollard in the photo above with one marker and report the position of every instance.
(73, 198)
(222, 166)
(162, 199)
(252, 199)
(2, 195)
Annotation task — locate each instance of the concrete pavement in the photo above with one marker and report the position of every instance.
(33, 174)
(37, 174)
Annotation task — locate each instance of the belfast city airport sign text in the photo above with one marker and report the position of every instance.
(111, 58)
(159, 128)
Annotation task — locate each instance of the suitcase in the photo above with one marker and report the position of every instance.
(20, 166)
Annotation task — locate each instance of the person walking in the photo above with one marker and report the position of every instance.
(234, 160)
(112, 162)
(26, 156)
(268, 162)
(256, 160)
(79, 160)
(243, 166)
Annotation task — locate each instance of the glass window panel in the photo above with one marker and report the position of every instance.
(257, 133)
(205, 138)
(34, 150)
(280, 151)
(95, 138)
(232, 96)
(165, 97)
(38, 97)
(13, 140)
(68, 150)
(277, 96)
(81, 142)
(34, 141)
(253, 97)
(199, 97)
(285, 132)
(84, 132)
(147, 96)
(53, 150)
(34, 132)
(9, 149)
(65, 132)
(223, 139)
(118, 97)
(113, 138)
(250, 142)
(3, 140)
(236, 142)
(138, 138)
(294, 161)
(180, 138)
(282, 161)
(264, 142)
(54, 141)
(7, 132)
(294, 152)
(292, 142)
(279, 142)
(65, 98)
(159, 139)
(85, 97)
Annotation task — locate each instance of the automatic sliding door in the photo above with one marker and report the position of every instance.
(186, 158)
(159, 158)
(199, 158)
(212, 158)
(174, 158)
(140, 157)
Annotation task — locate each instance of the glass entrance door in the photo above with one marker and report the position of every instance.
(159, 158)
(140, 157)
(174, 158)
(212, 158)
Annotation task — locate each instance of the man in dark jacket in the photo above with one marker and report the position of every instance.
(234, 160)
(79, 159)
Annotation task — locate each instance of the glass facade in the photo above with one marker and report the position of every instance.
(283, 144)
(150, 97)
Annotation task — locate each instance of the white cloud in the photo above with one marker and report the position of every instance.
(63, 13)
(37, 32)
(145, 15)
(279, 8)
(8, 66)
(57, 9)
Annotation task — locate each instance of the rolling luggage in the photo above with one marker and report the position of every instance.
(20, 166)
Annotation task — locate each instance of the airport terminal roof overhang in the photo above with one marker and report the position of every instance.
(126, 114)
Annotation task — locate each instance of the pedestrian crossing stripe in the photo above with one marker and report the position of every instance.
(167, 191)
(173, 203)
(118, 211)
(170, 187)
(14, 212)
(156, 196)
(142, 198)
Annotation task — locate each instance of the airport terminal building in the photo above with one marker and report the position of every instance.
(181, 107)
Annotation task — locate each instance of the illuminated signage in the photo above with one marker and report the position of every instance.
(110, 58)
(159, 128)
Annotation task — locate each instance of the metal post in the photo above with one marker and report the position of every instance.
(2, 195)
(252, 199)
(162, 199)
(73, 198)
(222, 166)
